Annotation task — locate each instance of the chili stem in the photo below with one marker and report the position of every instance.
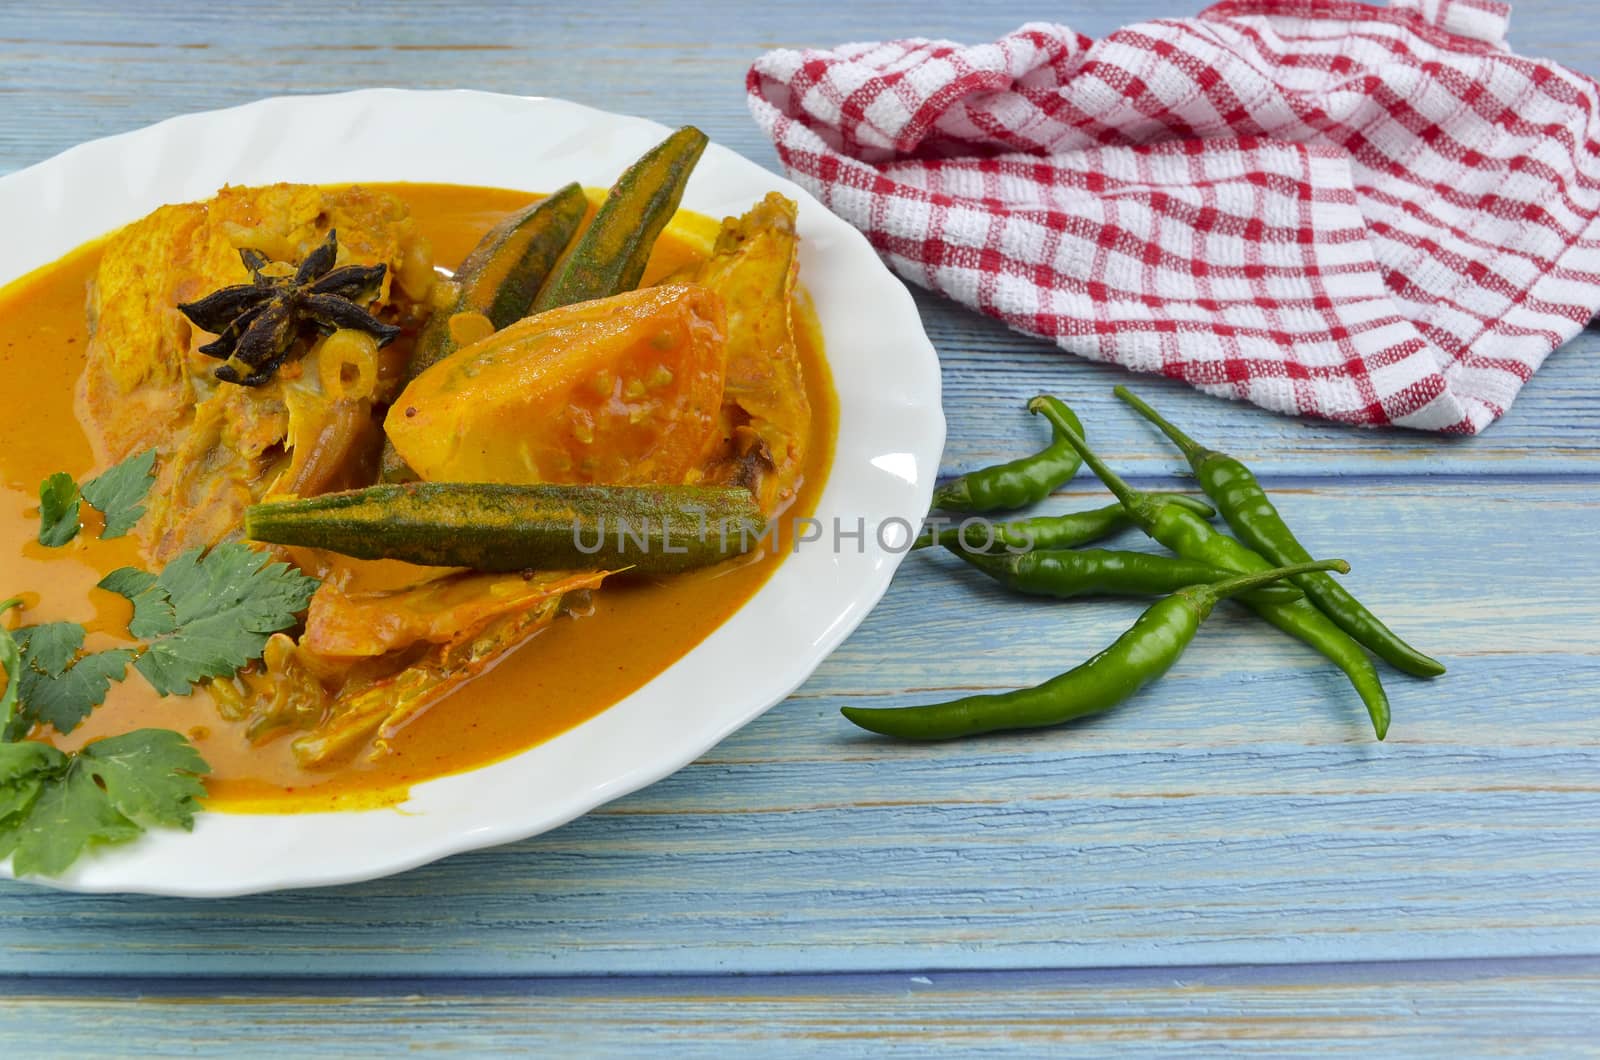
(1192, 449)
(1131, 498)
(1246, 582)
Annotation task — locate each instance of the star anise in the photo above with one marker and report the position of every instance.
(257, 324)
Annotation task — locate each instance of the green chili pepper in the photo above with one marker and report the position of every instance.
(1139, 656)
(1047, 531)
(1017, 483)
(1193, 538)
(1248, 509)
(1065, 573)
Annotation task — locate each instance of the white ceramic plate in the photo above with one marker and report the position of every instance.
(891, 432)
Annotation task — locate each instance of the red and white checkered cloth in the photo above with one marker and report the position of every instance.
(1377, 215)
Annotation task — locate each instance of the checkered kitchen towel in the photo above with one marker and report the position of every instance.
(1376, 215)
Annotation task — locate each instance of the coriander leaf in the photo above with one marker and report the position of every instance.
(208, 614)
(54, 805)
(118, 491)
(55, 689)
(17, 795)
(152, 776)
(69, 813)
(28, 758)
(58, 510)
(152, 612)
(51, 646)
(11, 663)
(63, 700)
(24, 767)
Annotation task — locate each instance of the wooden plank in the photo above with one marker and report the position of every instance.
(75, 61)
(1237, 812)
(1543, 1008)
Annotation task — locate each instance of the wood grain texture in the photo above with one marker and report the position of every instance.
(1239, 811)
(1236, 813)
(1543, 1008)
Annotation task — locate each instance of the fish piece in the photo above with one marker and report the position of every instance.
(212, 470)
(146, 384)
(435, 612)
(477, 623)
(766, 417)
(370, 661)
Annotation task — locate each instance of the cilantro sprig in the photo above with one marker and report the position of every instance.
(117, 493)
(56, 683)
(54, 805)
(207, 614)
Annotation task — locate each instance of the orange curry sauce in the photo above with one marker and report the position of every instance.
(565, 674)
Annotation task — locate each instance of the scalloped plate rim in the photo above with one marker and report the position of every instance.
(881, 471)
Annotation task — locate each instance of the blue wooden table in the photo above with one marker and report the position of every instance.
(1230, 863)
